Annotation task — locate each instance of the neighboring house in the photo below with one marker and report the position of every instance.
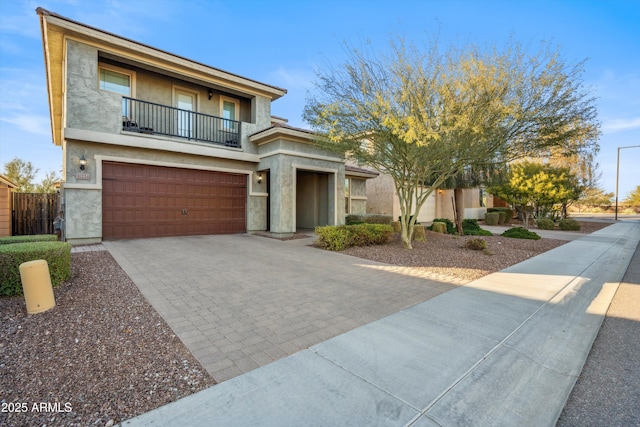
(155, 144)
(382, 198)
(6, 185)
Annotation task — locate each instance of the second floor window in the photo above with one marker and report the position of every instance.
(229, 109)
(117, 82)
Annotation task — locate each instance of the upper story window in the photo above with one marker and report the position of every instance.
(229, 108)
(117, 80)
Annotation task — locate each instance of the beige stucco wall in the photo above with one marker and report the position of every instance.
(280, 158)
(382, 199)
(89, 108)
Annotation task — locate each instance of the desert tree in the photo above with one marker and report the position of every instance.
(424, 116)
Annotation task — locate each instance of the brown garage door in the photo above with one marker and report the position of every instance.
(155, 201)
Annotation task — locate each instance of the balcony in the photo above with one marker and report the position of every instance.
(150, 118)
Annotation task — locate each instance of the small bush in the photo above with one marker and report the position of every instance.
(451, 227)
(418, 233)
(502, 217)
(545, 224)
(470, 224)
(340, 237)
(25, 239)
(476, 244)
(57, 255)
(569, 225)
(508, 213)
(520, 233)
(491, 218)
(397, 227)
(470, 227)
(439, 227)
(368, 219)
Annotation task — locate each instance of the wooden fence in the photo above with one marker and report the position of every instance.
(33, 213)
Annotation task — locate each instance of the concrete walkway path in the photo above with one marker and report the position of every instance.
(503, 350)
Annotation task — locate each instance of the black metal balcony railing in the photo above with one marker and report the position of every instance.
(148, 117)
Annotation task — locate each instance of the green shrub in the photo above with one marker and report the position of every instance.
(397, 227)
(439, 227)
(418, 233)
(378, 219)
(502, 217)
(340, 237)
(491, 218)
(451, 227)
(57, 255)
(569, 225)
(470, 227)
(368, 219)
(25, 239)
(476, 244)
(520, 233)
(508, 213)
(545, 224)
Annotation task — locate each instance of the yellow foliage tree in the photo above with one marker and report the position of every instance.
(424, 117)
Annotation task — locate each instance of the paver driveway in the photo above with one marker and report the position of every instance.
(241, 301)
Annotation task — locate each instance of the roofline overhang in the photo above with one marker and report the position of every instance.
(276, 132)
(7, 181)
(216, 74)
(147, 56)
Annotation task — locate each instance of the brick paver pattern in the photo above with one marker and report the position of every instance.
(239, 302)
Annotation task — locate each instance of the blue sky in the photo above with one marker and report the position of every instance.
(283, 42)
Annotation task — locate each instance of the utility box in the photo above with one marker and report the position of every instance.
(36, 285)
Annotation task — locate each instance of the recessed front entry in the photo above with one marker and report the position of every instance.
(156, 201)
(312, 199)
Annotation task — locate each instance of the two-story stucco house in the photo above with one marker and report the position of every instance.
(155, 144)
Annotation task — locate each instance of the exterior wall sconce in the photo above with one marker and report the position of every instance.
(83, 162)
(259, 177)
(210, 94)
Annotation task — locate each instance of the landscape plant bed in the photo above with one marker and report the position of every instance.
(103, 354)
(446, 254)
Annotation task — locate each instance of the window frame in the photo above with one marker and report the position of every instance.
(347, 195)
(236, 104)
(132, 83)
(130, 73)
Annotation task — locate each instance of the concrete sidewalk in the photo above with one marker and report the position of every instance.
(503, 350)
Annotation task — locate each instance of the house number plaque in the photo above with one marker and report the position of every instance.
(83, 175)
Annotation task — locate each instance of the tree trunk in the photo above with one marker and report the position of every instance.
(459, 202)
(407, 231)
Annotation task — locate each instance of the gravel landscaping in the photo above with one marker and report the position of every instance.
(103, 354)
(446, 254)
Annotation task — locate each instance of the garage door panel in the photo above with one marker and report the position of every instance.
(153, 201)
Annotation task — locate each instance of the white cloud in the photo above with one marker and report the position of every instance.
(38, 125)
(292, 79)
(618, 125)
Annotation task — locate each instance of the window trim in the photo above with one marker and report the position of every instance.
(190, 91)
(119, 70)
(235, 102)
(347, 195)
